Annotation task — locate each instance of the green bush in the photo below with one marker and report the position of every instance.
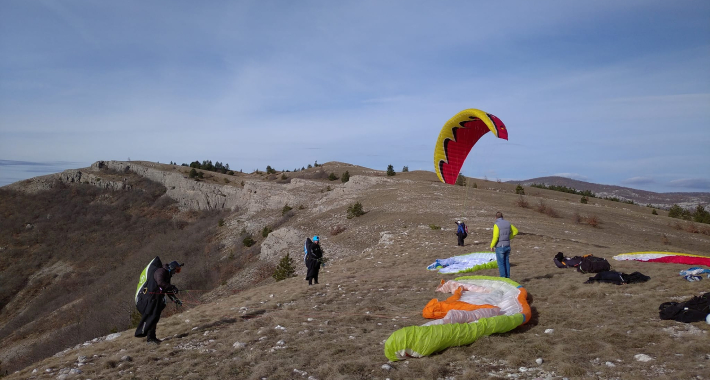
(285, 269)
(654, 212)
(461, 180)
(584, 199)
(193, 173)
(390, 171)
(519, 190)
(332, 177)
(283, 176)
(286, 209)
(270, 170)
(248, 241)
(345, 177)
(355, 210)
(266, 231)
(221, 223)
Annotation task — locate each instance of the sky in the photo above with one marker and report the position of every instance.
(611, 92)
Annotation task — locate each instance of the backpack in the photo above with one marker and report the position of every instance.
(592, 264)
(463, 229)
(305, 249)
(695, 309)
(146, 284)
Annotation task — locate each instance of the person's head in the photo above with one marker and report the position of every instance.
(175, 267)
(499, 215)
(316, 239)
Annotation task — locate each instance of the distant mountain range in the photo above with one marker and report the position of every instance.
(642, 197)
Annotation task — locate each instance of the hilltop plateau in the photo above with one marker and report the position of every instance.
(67, 299)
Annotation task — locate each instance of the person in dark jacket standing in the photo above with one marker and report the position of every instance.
(163, 289)
(503, 232)
(461, 232)
(314, 257)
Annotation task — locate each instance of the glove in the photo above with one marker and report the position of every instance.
(175, 290)
(178, 302)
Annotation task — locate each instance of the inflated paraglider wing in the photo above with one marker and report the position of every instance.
(458, 136)
(665, 257)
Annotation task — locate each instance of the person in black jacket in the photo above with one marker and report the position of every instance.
(157, 303)
(314, 256)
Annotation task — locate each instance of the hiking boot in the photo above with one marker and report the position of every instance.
(154, 340)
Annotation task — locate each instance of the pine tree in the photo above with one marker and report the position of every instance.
(345, 177)
(390, 170)
(285, 269)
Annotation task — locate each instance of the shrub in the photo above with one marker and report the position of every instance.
(332, 177)
(266, 231)
(226, 180)
(390, 171)
(405, 169)
(285, 269)
(345, 177)
(355, 210)
(434, 227)
(475, 186)
(654, 212)
(522, 202)
(220, 223)
(547, 210)
(270, 170)
(461, 180)
(200, 175)
(328, 188)
(248, 241)
(593, 221)
(519, 190)
(335, 230)
(584, 199)
(286, 209)
(193, 173)
(283, 176)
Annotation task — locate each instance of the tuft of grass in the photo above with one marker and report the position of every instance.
(286, 209)
(522, 202)
(543, 208)
(337, 229)
(665, 240)
(248, 241)
(434, 227)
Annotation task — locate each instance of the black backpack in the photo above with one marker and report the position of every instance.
(695, 309)
(592, 264)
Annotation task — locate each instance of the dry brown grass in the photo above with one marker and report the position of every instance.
(335, 330)
(337, 229)
(544, 208)
(665, 240)
(522, 202)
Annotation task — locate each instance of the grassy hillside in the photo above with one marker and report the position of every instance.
(376, 282)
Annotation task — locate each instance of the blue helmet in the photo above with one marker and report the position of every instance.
(315, 238)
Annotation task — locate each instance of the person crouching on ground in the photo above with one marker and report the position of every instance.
(314, 256)
(503, 232)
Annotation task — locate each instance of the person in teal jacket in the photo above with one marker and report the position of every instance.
(503, 232)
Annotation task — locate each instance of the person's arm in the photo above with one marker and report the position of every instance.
(496, 235)
(161, 279)
(513, 231)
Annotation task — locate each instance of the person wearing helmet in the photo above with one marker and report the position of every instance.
(149, 320)
(313, 259)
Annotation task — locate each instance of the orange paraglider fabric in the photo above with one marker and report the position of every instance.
(436, 309)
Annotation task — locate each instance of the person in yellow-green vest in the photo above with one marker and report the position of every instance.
(503, 232)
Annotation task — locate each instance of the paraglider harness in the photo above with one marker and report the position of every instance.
(148, 288)
(463, 229)
(308, 244)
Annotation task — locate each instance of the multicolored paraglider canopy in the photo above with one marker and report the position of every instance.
(458, 136)
(480, 306)
(665, 257)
